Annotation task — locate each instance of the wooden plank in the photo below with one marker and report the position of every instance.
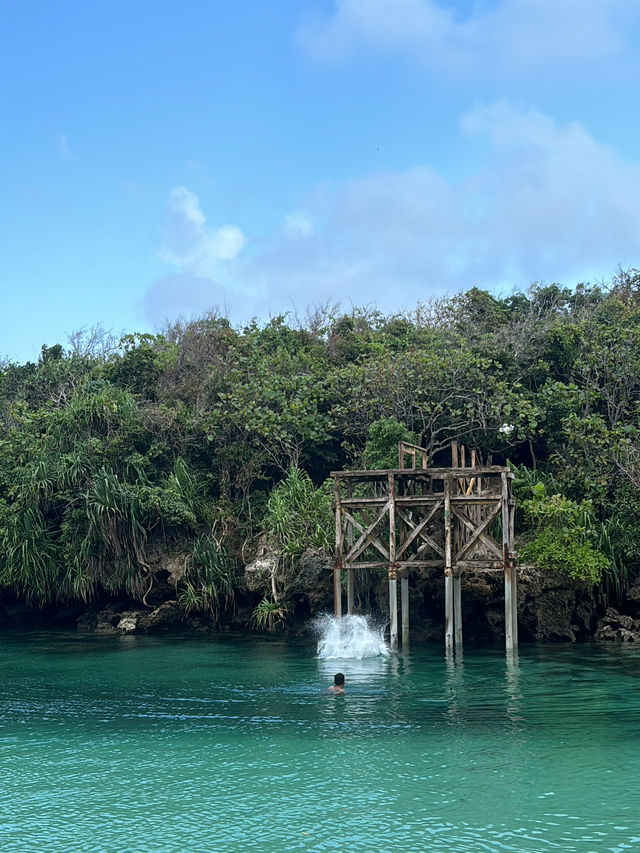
(421, 500)
(381, 473)
(364, 502)
(476, 500)
(410, 564)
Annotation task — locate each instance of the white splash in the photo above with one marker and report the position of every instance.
(349, 637)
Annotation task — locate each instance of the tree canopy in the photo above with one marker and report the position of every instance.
(112, 450)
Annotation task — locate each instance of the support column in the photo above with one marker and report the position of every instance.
(508, 574)
(393, 581)
(350, 572)
(338, 564)
(404, 604)
(457, 610)
(393, 611)
(512, 560)
(448, 575)
(337, 592)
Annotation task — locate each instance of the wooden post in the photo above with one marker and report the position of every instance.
(508, 579)
(337, 566)
(393, 582)
(404, 605)
(448, 576)
(350, 577)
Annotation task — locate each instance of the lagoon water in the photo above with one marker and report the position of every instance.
(139, 744)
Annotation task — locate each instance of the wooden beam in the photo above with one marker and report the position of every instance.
(418, 473)
(418, 530)
(477, 532)
(368, 538)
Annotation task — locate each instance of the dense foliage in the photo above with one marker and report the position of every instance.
(198, 440)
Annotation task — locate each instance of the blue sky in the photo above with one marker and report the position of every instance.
(160, 159)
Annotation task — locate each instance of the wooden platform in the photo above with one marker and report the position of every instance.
(456, 519)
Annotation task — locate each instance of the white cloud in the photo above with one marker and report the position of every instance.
(548, 202)
(202, 257)
(298, 224)
(192, 246)
(63, 146)
(514, 36)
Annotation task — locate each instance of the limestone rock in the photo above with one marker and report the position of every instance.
(633, 599)
(128, 623)
(166, 617)
(618, 628)
(257, 574)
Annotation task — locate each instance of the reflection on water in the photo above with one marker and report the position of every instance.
(234, 743)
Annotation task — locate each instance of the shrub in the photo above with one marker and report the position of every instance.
(298, 515)
(564, 533)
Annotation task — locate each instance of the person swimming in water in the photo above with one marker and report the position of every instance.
(338, 683)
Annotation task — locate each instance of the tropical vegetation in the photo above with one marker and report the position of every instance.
(201, 439)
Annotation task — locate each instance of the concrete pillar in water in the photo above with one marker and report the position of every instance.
(393, 611)
(404, 605)
(448, 612)
(393, 576)
(457, 610)
(512, 561)
(508, 570)
(448, 574)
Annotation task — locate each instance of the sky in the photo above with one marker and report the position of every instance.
(163, 159)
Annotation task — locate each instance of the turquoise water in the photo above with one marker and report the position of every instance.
(132, 744)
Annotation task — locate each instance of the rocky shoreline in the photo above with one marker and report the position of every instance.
(551, 608)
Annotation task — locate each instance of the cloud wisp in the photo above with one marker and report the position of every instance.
(190, 244)
(201, 257)
(508, 36)
(547, 203)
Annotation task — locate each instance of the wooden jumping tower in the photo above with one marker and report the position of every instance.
(407, 518)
